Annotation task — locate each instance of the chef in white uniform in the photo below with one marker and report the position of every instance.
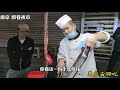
(70, 47)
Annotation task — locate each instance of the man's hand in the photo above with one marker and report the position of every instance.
(91, 40)
(30, 48)
(61, 63)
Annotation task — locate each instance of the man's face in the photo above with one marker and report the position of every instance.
(68, 28)
(23, 33)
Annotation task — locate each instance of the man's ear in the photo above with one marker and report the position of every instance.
(74, 25)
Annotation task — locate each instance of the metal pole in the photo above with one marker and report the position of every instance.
(46, 39)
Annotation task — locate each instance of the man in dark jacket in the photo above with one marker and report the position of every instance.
(114, 63)
(20, 49)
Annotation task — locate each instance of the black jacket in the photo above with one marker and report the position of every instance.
(116, 37)
(19, 56)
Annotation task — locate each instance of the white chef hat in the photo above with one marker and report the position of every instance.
(62, 21)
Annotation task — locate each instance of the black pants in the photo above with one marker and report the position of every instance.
(114, 63)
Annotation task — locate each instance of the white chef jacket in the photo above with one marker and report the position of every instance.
(70, 49)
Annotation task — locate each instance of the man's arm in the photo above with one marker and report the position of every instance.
(10, 49)
(116, 35)
(101, 36)
(60, 56)
(29, 51)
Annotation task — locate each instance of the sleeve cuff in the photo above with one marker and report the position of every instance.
(60, 56)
